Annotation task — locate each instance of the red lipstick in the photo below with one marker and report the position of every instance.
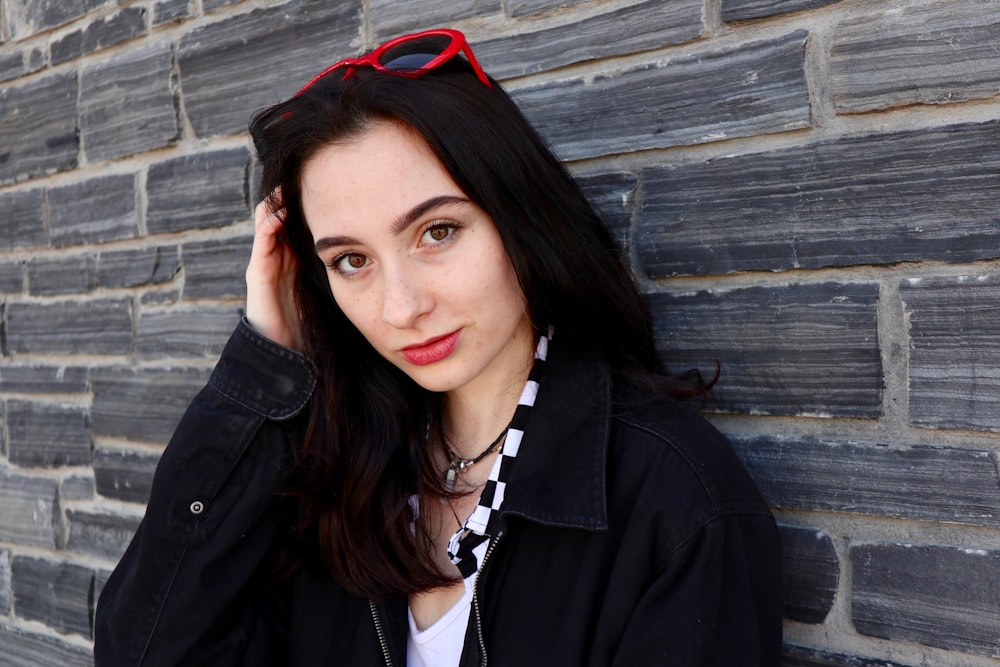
(431, 350)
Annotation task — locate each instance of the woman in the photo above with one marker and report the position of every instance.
(442, 434)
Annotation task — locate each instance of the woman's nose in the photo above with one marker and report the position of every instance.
(405, 297)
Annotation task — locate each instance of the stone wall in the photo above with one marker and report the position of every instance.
(808, 190)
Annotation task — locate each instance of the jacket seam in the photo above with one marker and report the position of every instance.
(700, 527)
(277, 414)
(673, 446)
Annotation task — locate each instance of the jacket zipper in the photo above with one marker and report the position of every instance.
(475, 603)
(475, 597)
(381, 634)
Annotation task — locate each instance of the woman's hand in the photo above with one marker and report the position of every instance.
(271, 305)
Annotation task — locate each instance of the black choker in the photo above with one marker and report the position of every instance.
(456, 465)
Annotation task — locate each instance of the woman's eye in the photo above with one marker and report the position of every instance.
(350, 262)
(437, 233)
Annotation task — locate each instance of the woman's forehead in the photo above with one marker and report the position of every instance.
(378, 180)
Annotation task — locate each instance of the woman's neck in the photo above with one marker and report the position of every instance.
(473, 415)
(471, 423)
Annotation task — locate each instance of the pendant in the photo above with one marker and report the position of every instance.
(449, 480)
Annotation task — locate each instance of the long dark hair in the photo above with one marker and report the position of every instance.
(365, 452)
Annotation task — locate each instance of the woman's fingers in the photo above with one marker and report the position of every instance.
(268, 225)
(270, 277)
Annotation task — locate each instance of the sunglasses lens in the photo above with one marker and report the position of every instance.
(415, 54)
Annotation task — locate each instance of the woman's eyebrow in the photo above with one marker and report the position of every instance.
(418, 211)
(328, 242)
(399, 225)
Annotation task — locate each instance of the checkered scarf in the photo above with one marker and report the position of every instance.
(469, 543)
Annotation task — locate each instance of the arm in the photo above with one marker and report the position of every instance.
(716, 603)
(192, 587)
(185, 585)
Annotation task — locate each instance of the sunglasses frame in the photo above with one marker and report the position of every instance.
(458, 44)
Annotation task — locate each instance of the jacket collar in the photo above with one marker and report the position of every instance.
(559, 476)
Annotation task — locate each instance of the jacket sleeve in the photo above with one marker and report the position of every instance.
(192, 587)
(716, 603)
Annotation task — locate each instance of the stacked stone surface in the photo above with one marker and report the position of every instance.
(806, 189)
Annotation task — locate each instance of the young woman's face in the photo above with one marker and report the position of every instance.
(416, 266)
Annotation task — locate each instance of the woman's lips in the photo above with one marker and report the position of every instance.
(431, 350)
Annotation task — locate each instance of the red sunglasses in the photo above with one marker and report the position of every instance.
(410, 55)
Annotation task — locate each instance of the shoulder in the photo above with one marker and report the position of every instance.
(682, 463)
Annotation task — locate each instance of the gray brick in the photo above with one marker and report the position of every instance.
(222, 63)
(58, 594)
(171, 10)
(22, 648)
(100, 534)
(76, 487)
(100, 580)
(391, 17)
(212, 5)
(142, 405)
(160, 297)
(876, 199)
(100, 326)
(647, 25)
(5, 584)
(101, 33)
(198, 191)
(953, 376)
(185, 333)
(23, 221)
(914, 482)
(521, 8)
(810, 573)
(38, 127)
(67, 47)
(30, 17)
(138, 267)
(62, 275)
(39, 379)
(128, 104)
(793, 350)
(216, 269)
(124, 474)
(37, 59)
(11, 277)
(11, 65)
(46, 435)
(613, 195)
(97, 210)
(755, 89)
(935, 53)
(29, 510)
(798, 656)
(256, 175)
(741, 10)
(936, 596)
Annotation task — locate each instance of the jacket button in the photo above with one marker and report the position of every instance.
(197, 507)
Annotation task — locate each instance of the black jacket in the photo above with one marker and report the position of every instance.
(632, 536)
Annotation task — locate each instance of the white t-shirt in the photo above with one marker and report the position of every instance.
(441, 644)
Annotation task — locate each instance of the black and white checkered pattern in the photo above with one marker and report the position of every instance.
(468, 545)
